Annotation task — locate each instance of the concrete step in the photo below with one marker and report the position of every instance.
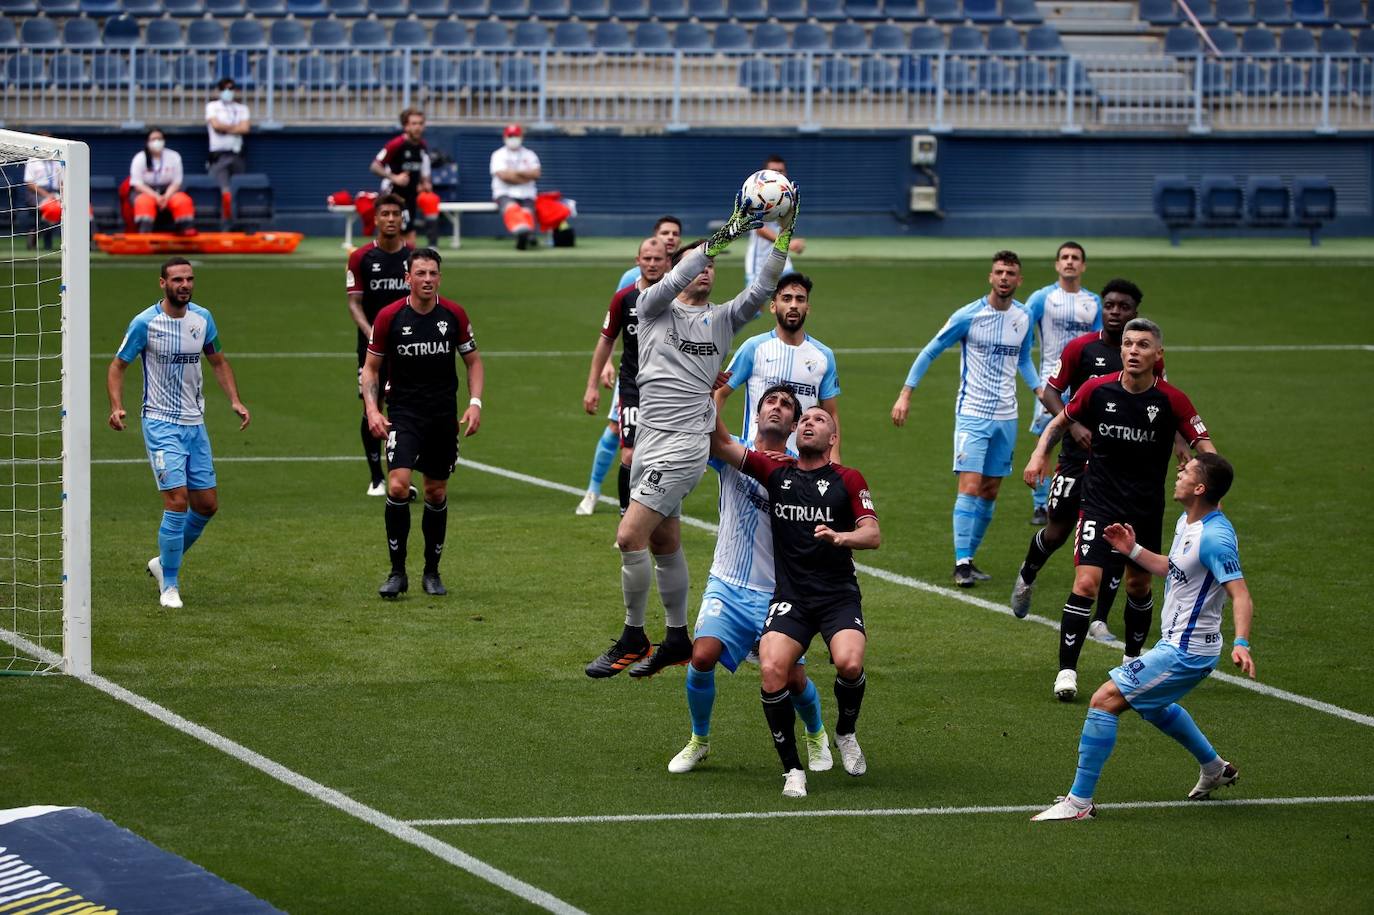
(1099, 10)
(1113, 45)
(1127, 116)
(1158, 84)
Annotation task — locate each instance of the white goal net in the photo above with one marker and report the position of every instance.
(44, 405)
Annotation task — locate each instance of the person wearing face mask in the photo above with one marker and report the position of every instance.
(155, 183)
(515, 170)
(228, 123)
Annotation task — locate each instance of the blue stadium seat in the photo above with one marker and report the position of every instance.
(1175, 203)
(758, 75)
(145, 8)
(1160, 12)
(902, 10)
(916, 74)
(589, 10)
(1227, 41)
(347, 9)
(1250, 78)
(886, 37)
(279, 69)
(878, 74)
(104, 202)
(571, 36)
(408, 33)
(287, 33)
(429, 9)
(1082, 83)
(1005, 39)
(769, 36)
(1288, 77)
(357, 72)
(204, 33)
(470, 9)
(192, 71)
(208, 200)
(652, 36)
(966, 39)
(611, 36)
(997, 77)
(1314, 202)
(42, 32)
(100, 8)
(110, 71)
(825, 10)
(120, 32)
(246, 33)
(449, 33)
(328, 33)
(166, 33)
(787, 10)
(251, 200)
(1022, 12)
(795, 73)
(1273, 12)
(731, 36)
(1216, 82)
(1318, 74)
(59, 7)
(479, 74)
(1364, 42)
(1181, 40)
(837, 75)
(394, 73)
(184, 8)
(1034, 78)
(510, 9)
(707, 10)
(224, 8)
(1257, 40)
(9, 38)
(518, 74)
(306, 9)
(959, 77)
(20, 8)
(849, 36)
(746, 10)
(1235, 12)
(265, 9)
(630, 10)
(153, 71)
(388, 9)
(530, 35)
(1203, 10)
(668, 10)
(692, 36)
(1348, 12)
(315, 71)
(1266, 200)
(78, 33)
(1297, 41)
(368, 33)
(491, 34)
(68, 71)
(809, 36)
(1310, 12)
(944, 11)
(1336, 41)
(927, 39)
(984, 11)
(439, 74)
(1043, 39)
(546, 9)
(1222, 202)
(25, 71)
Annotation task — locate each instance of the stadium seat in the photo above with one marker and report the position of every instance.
(546, 9)
(251, 200)
(1175, 203)
(479, 74)
(787, 10)
(328, 33)
(1364, 42)
(795, 74)
(849, 36)
(223, 9)
(519, 74)
(246, 33)
(306, 9)
(997, 77)
(959, 78)
(110, 71)
(531, 36)
(204, 33)
(1082, 83)
(491, 34)
(1349, 12)
(287, 33)
(611, 36)
(1043, 39)
(9, 38)
(409, 33)
(357, 72)
(10, 8)
(78, 33)
(1034, 78)
(758, 75)
(1336, 41)
(1250, 78)
(944, 11)
(1310, 12)
(347, 9)
(886, 37)
(1226, 40)
(878, 74)
(1273, 12)
(440, 74)
(916, 74)
(1322, 70)
(104, 203)
(927, 39)
(1022, 12)
(707, 10)
(1160, 12)
(825, 10)
(692, 36)
(984, 11)
(167, 33)
(1004, 39)
(144, 8)
(389, 9)
(449, 33)
(1258, 40)
(1235, 12)
(590, 10)
(470, 9)
(192, 71)
(59, 7)
(208, 199)
(278, 69)
(42, 32)
(571, 36)
(1181, 41)
(510, 9)
(1297, 41)
(26, 71)
(809, 36)
(746, 10)
(652, 36)
(119, 32)
(1216, 81)
(668, 10)
(316, 71)
(100, 8)
(1288, 77)
(1266, 200)
(769, 36)
(394, 73)
(837, 75)
(1314, 202)
(966, 39)
(68, 71)
(184, 8)
(863, 10)
(265, 9)
(154, 71)
(1222, 202)
(1203, 10)
(731, 36)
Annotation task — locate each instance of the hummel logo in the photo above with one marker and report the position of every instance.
(1152, 411)
(394, 544)
(786, 484)
(1070, 639)
(405, 331)
(1100, 362)
(376, 267)
(1111, 406)
(778, 737)
(1138, 637)
(438, 548)
(822, 485)
(1116, 583)
(858, 622)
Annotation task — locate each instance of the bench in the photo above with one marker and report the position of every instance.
(453, 208)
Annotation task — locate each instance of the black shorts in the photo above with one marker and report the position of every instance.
(802, 622)
(1092, 549)
(429, 445)
(629, 419)
(1066, 492)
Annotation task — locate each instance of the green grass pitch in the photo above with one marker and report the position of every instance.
(475, 706)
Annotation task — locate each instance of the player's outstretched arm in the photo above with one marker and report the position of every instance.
(865, 536)
(1122, 538)
(477, 379)
(739, 223)
(601, 357)
(224, 374)
(657, 298)
(1242, 611)
(372, 392)
(114, 387)
(723, 445)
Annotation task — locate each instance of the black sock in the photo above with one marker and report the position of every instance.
(849, 698)
(1073, 628)
(623, 484)
(397, 532)
(676, 634)
(1106, 593)
(1139, 612)
(782, 722)
(372, 450)
(633, 635)
(434, 524)
(1036, 557)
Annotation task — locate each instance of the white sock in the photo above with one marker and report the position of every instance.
(635, 580)
(1214, 767)
(671, 572)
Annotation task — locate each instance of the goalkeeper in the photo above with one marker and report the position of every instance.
(683, 341)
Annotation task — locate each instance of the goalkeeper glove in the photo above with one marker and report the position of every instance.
(785, 236)
(738, 224)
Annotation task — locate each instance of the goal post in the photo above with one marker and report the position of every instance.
(45, 408)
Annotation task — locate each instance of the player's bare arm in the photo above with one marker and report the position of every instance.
(1054, 405)
(1242, 612)
(902, 407)
(1122, 539)
(477, 376)
(114, 387)
(224, 374)
(400, 179)
(601, 357)
(377, 423)
(1204, 445)
(355, 311)
(865, 536)
(723, 445)
(1037, 468)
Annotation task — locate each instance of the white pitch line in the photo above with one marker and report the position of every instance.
(879, 812)
(401, 830)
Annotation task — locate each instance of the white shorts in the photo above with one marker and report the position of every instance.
(666, 467)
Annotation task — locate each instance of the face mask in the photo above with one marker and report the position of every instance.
(156, 145)
(227, 95)
(514, 142)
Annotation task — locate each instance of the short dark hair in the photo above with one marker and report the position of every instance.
(1006, 257)
(1070, 244)
(662, 219)
(1217, 476)
(780, 388)
(682, 250)
(1144, 326)
(793, 279)
(1125, 287)
(774, 159)
(407, 113)
(390, 200)
(226, 83)
(426, 254)
(173, 262)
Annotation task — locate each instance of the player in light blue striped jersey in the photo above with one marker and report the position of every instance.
(994, 338)
(1060, 312)
(786, 355)
(171, 335)
(1201, 571)
(734, 605)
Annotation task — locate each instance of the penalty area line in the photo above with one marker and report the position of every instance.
(398, 829)
(880, 812)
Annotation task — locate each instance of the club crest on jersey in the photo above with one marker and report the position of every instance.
(1083, 549)
(443, 329)
(822, 486)
(1187, 545)
(195, 333)
(1152, 411)
(1111, 406)
(810, 365)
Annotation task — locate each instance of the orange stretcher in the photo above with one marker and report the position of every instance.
(204, 243)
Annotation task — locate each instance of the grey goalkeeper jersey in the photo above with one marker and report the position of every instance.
(682, 347)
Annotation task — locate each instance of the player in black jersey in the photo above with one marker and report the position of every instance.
(376, 277)
(820, 513)
(1132, 416)
(417, 341)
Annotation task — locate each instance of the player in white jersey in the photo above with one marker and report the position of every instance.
(759, 246)
(1200, 572)
(994, 337)
(734, 605)
(683, 339)
(1060, 312)
(171, 336)
(788, 355)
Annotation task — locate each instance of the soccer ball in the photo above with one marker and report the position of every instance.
(767, 194)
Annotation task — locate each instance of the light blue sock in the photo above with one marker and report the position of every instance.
(170, 536)
(606, 447)
(808, 706)
(1040, 495)
(1178, 724)
(965, 516)
(1099, 736)
(701, 698)
(982, 517)
(195, 525)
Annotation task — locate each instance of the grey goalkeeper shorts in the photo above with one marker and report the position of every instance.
(666, 467)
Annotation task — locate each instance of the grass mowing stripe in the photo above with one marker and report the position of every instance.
(337, 799)
(881, 812)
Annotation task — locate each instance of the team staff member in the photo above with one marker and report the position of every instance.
(155, 178)
(228, 122)
(403, 165)
(418, 339)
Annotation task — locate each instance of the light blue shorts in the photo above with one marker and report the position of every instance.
(734, 615)
(1161, 676)
(180, 455)
(984, 445)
